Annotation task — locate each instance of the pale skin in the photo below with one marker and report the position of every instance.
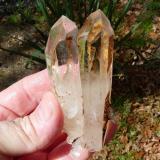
(31, 122)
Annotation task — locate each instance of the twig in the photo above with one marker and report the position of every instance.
(155, 49)
(24, 55)
(34, 45)
(139, 54)
(41, 33)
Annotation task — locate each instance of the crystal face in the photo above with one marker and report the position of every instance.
(81, 72)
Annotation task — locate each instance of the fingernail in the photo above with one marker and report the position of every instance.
(75, 152)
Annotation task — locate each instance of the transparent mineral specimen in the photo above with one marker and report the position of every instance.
(95, 40)
(62, 61)
(82, 77)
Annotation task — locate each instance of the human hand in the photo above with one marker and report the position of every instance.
(31, 122)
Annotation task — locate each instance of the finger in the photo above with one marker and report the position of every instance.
(43, 155)
(2, 157)
(22, 97)
(34, 132)
(61, 138)
(65, 152)
(35, 156)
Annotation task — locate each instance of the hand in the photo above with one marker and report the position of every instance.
(31, 122)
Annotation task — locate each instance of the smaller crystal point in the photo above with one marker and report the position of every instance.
(65, 23)
(63, 66)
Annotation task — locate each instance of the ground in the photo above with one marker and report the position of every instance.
(12, 66)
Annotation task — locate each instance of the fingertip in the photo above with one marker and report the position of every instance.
(65, 151)
(37, 84)
(79, 153)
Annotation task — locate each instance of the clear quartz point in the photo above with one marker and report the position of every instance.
(62, 61)
(95, 40)
(82, 77)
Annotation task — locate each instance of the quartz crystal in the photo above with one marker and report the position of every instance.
(62, 61)
(81, 72)
(95, 40)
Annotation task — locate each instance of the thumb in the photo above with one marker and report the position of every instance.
(33, 132)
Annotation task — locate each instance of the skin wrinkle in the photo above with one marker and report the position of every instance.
(25, 120)
(9, 126)
(32, 126)
(9, 110)
(20, 132)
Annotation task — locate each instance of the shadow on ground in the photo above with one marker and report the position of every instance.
(137, 81)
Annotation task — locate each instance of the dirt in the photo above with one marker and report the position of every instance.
(12, 66)
(138, 135)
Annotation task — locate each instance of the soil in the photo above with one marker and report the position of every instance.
(12, 66)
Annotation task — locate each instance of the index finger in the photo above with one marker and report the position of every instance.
(22, 97)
